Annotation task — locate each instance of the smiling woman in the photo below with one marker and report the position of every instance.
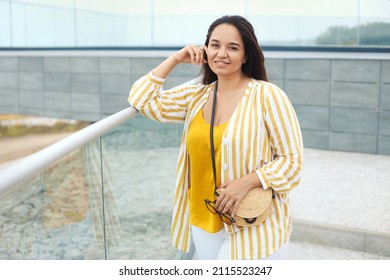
(256, 139)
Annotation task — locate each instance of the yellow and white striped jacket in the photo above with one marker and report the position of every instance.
(263, 135)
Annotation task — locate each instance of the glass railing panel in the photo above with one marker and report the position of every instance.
(58, 213)
(140, 158)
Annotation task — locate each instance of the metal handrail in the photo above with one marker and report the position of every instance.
(25, 168)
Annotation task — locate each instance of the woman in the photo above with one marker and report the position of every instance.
(257, 140)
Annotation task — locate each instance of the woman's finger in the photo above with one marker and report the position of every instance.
(198, 55)
(227, 206)
(224, 185)
(235, 209)
(191, 53)
(224, 202)
(219, 200)
(202, 55)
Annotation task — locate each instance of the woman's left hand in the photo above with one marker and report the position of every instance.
(231, 194)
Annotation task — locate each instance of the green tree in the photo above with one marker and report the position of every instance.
(377, 33)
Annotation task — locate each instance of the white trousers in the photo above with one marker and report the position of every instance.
(215, 246)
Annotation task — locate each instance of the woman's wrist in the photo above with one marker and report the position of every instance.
(251, 181)
(163, 70)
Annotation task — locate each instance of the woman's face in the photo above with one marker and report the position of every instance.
(225, 52)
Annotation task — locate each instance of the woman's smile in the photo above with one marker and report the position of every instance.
(221, 63)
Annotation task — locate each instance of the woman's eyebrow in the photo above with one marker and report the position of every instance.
(231, 43)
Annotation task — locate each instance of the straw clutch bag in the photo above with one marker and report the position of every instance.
(255, 208)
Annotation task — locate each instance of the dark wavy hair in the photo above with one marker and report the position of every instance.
(254, 66)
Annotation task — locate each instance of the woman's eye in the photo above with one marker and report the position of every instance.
(214, 45)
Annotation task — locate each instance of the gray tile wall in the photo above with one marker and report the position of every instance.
(341, 104)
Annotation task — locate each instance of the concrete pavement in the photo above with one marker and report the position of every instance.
(343, 203)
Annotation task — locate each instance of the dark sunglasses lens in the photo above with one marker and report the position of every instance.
(210, 207)
(225, 219)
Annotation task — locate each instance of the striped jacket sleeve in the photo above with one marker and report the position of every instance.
(283, 172)
(148, 97)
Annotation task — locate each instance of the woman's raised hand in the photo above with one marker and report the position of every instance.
(188, 54)
(191, 54)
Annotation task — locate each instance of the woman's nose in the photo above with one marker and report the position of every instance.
(222, 52)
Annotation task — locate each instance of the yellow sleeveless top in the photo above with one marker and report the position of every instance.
(201, 172)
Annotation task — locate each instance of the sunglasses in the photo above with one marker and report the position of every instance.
(210, 205)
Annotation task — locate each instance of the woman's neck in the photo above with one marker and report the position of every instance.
(227, 84)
